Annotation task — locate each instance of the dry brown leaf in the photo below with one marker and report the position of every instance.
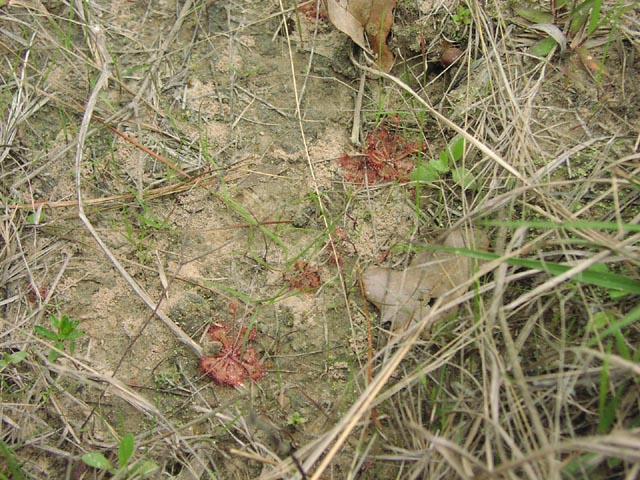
(403, 296)
(341, 18)
(371, 17)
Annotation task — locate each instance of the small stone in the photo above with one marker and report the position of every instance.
(450, 56)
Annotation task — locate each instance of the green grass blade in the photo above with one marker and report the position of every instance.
(626, 227)
(588, 276)
(126, 447)
(614, 328)
(251, 220)
(604, 409)
(231, 291)
(594, 17)
(12, 465)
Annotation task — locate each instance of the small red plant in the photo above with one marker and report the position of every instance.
(236, 358)
(304, 278)
(387, 157)
(41, 294)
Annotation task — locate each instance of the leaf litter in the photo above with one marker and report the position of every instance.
(406, 296)
(367, 23)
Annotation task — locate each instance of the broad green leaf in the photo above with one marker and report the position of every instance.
(455, 148)
(144, 468)
(53, 356)
(45, 333)
(534, 16)
(554, 32)
(424, 173)
(16, 357)
(97, 460)
(13, 358)
(440, 164)
(543, 47)
(126, 447)
(464, 178)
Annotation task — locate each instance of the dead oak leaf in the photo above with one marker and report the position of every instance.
(406, 296)
(371, 17)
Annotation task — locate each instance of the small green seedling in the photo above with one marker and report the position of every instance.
(10, 466)
(64, 331)
(35, 218)
(125, 469)
(462, 16)
(11, 358)
(614, 293)
(296, 420)
(435, 168)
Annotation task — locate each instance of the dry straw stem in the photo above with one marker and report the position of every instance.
(333, 440)
(83, 373)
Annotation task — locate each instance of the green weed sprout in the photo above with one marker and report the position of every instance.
(64, 331)
(462, 16)
(296, 420)
(125, 469)
(11, 464)
(435, 168)
(11, 359)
